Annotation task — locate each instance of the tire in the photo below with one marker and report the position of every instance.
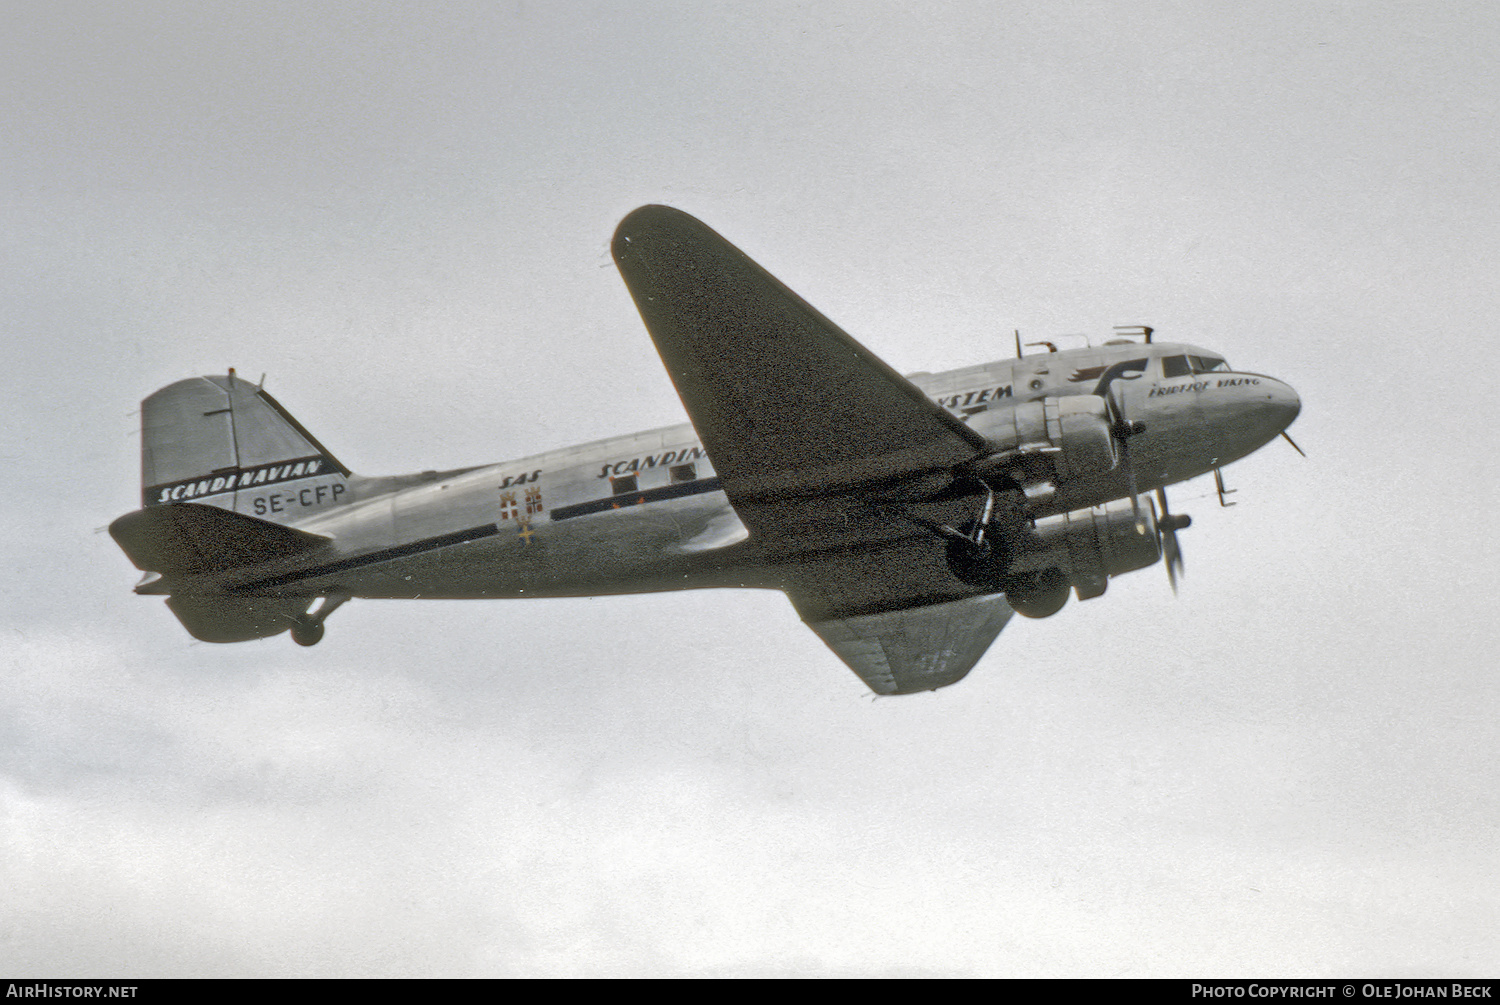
(1038, 594)
(983, 566)
(307, 633)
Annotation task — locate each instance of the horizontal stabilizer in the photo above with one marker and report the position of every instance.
(192, 538)
(920, 648)
(236, 619)
(785, 401)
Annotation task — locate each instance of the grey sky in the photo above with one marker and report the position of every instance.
(402, 217)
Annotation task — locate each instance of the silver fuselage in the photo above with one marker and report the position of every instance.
(644, 513)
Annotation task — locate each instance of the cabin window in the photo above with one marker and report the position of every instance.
(1207, 364)
(684, 473)
(623, 484)
(1175, 366)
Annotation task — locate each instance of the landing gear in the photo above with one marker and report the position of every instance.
(307, 629)
(982, 565)
(973, 554)
(1038, 594)
(307, 633)
(981, 555)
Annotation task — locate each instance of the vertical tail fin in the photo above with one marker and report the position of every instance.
(222, 441)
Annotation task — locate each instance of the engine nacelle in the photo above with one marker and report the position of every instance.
(1091, 545)
(1073, 431)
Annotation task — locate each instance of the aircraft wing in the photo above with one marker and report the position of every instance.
(807, 429)
(785, 402)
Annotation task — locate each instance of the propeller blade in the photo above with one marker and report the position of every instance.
(1123, 429)
(1172, 553)
(1167, 526)
(1293, 442)
(1135, 501)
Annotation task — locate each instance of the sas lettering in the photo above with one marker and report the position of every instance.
(653, 461)
(521, 479)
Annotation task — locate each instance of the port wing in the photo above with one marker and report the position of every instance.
(785, 401)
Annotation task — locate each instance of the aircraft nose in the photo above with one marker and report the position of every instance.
(1266, 406)
(1282, 404)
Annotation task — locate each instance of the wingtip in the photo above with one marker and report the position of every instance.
(653, 219)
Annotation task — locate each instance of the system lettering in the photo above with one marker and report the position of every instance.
(975, 397)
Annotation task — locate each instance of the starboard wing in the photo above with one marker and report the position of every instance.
(786, 403)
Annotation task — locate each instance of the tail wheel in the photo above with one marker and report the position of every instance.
(1038, 594)
(307, 633)
(307, 630)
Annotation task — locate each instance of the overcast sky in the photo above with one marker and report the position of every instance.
(401, 214)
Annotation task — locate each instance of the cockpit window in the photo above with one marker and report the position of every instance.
(1207, 364)
(1175, 366)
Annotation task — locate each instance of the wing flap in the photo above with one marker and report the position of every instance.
(784, 400)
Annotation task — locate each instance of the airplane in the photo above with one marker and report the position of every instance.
(906, 518)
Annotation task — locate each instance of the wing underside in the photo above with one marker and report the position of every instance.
(896, 615)
(919, 648)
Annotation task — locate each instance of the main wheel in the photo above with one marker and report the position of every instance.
(1038, 594)
(307, 633)
(982, 566)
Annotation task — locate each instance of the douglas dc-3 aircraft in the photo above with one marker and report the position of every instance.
(907, 518)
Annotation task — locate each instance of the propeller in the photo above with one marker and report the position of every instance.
(1167, 526)
(1122, 429)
